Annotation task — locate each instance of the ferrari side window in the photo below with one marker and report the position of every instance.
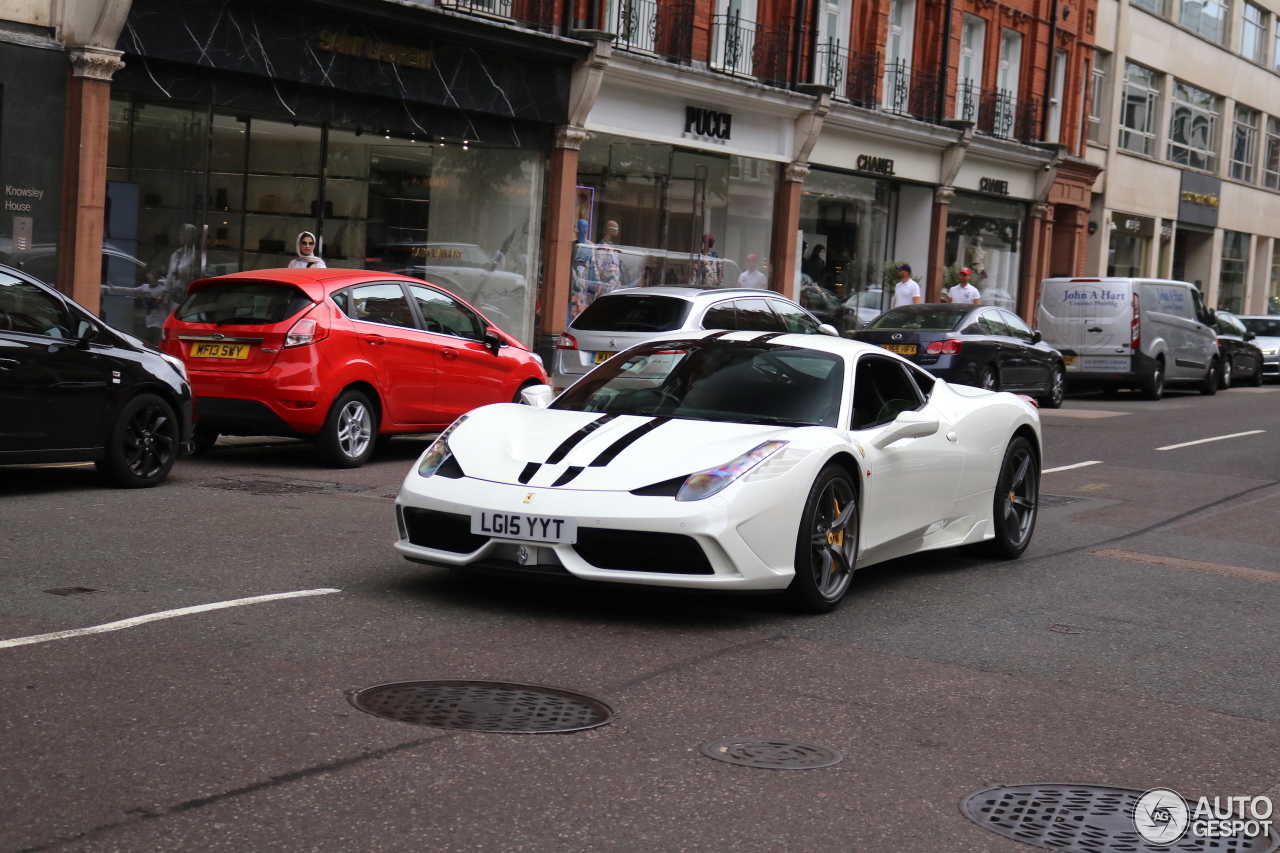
(882, 390)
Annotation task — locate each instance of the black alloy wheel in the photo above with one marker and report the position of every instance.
(1224, 378)
(349, 434)
(1017, 501)
(143, 444)
(1057, 389)
(1212, 379)
(989, 380)
(827, 545)
(1153, 388)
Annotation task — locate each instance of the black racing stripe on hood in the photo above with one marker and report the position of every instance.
(529, 470)
(572, 441)
(568, 475)
(626, 441)
(714, 335)
(767, 336)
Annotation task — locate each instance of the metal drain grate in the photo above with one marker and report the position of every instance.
(484, 706)
(1084, 819)
(1057, 500)
(771, 754)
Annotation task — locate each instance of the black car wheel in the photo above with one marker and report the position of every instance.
(990, 380)
(827, 546)
(1057, 389)
(1153, 388)
(1017, 501)
(1224, 377)
(143, 444)
(347, 439)
(1212, 379)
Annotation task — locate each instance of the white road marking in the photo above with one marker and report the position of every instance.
(1088, 414)
(1207, 440)
(163, 614)
(1069, 467)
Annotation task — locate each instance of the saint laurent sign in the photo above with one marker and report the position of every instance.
(707, 122)
(1200, 198)
(879, 165)
(396, 54)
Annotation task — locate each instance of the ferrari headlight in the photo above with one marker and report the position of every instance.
(438, 453)
(704, 484)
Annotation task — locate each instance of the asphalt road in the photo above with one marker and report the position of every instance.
(1134, 645)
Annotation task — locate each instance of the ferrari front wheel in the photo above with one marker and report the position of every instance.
(827, 545)
(1017, 501)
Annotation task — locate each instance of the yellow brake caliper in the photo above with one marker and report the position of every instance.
(836, 537)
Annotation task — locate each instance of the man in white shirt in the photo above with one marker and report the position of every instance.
(908, 290)
(753, 277)
(964, 293)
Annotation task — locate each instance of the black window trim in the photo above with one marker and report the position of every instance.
(775, 300)
(853, 387)
(404, 291)
(702, 318)
(485, 325)
(67, 306)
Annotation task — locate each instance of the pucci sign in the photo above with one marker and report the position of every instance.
(704, 122)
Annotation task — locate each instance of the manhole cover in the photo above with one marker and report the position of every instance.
(484, 706)
(1084, 819)
(771, 754)
(1057, 500)
(272, 486)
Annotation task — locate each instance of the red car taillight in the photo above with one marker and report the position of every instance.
(309, 329)
(567, 341)
(1135, 327)
(943, 348)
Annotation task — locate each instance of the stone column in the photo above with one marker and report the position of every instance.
(557, 244)
(786, 222)
(1035, 264)
(84, 175)
(937, 243)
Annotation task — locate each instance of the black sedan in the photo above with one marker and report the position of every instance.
(973, 345)
(74, 390)
(1239, 356)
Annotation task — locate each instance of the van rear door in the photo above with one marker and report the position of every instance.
(1087, 316)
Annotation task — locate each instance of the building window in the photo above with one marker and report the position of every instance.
(1253, 33)
(1130, 244)
(1156, 7)
(1138, 115)
(1271, 166)
(1193, 130)
(973, 37)
(1275, 45)
(1098, 97)
(1206, 18)
(1244, 144)
(1235, 267)
(1273, 293)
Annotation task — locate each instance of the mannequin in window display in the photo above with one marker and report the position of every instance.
(154, 296)
(308, 252)
(581, 271)
(607, 262)
(978, 259)
(708, 269)
(185, 265)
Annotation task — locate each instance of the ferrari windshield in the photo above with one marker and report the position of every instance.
(741, 382)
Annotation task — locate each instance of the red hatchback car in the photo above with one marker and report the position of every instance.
(339, 356)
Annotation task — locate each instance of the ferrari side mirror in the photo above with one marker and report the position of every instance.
(907, 425)
(537, 396)
(828, 329)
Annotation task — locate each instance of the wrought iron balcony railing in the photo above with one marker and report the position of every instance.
(743, 48)
(534, 13)
(997, 112)
(910, 92)
(854, 76)
(657, 27)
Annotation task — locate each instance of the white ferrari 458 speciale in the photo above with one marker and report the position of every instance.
(729, 461)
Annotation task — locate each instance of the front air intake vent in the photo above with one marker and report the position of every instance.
(443, 531)
(641, 551)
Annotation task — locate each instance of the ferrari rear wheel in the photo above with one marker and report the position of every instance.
(1017, 501)
(827, 545)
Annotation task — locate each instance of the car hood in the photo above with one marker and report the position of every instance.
(504, 441)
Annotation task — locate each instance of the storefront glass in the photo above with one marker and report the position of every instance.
(1235, 269)
(1273, 292)
(651, 214)
(462, 216)
(1129, 245)
(846, 247)
(985, 235)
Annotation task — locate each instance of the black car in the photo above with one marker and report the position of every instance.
(1239, 356)
(72, 389)
(973, 345)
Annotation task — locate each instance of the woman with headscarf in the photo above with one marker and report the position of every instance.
(308, 248)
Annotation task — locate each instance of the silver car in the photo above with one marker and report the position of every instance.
(1266, 328)
(624, 318)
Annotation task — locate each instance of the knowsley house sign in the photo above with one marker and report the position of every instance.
(21, 193)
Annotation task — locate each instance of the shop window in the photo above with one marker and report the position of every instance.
(985, 235)
(1206, 18)
(1273, 292)
(847, 269)
(1098, 99)
(1271, 165)
(1235, 268)
(1275, 44)
(1138, 112)
(1253, 33)
(1129, 245)
(651, 214)
(1244, 144)
(1193, 128)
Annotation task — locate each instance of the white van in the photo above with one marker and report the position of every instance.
(1130, 333)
